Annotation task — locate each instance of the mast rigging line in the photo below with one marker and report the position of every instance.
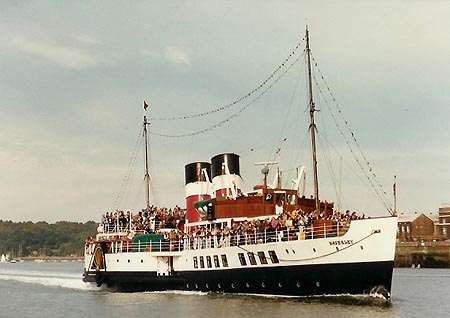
(323, 143)
(129, 171)
(237, 112)
(358, 161)
(371, 176)
(264, 83)
(277, 149)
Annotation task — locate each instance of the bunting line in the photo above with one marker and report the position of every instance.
(263, 84)
(370, 174)
(236, 113)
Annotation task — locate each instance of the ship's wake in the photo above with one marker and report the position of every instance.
(52, 279)
(345, 299)
(356, 300)
(73, 281)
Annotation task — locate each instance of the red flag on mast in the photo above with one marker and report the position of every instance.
(145, 105)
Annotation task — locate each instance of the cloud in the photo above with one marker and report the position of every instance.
(176, 55)
(83, 38)
(65, 56)
(149, 53)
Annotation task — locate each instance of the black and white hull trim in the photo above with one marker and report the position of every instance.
(277, 264)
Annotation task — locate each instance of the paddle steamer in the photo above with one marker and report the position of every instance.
(271, 240)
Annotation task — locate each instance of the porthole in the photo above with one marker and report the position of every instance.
(128, 261)
(247, 285)
(337, 248)
(117, 260)
(232, 285)
(298, 284)
(314, 249)
(287, 251)
(263, 285)
(362, 247)
(218, 285)
(207, 285)
(280, 285)
(187, 286)
(293, 251)
(317, 284)
(142, 261)
(196, 286)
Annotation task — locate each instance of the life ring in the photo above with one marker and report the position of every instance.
(98, 261)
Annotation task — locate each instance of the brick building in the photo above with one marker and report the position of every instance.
(416, 227)
(443, 227)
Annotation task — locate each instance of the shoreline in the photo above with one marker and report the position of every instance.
(49, 259)
(425, 254)
(407, 254)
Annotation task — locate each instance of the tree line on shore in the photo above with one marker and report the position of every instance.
(41, 239)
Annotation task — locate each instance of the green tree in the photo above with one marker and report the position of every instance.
(59, 239)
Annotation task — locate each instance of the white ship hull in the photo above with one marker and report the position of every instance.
(294, 265)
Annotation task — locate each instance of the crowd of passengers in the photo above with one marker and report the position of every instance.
(256, 230)
(149, 220)
(155, 220)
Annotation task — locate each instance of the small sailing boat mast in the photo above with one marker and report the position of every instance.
(394, 189)
(147, 175)
(312, 126)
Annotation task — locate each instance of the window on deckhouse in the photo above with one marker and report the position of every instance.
(195, 262)
(262, 258)
(251, 257)
(224, 260)
(273, 257)
(202, 262)
(216, 261)
(242, 259)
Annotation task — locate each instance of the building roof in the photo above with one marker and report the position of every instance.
(434, 217)
(404, 218)
(410, 217)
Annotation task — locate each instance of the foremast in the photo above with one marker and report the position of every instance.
(312, 125)
(147, 175)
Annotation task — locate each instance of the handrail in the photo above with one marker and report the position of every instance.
(124, 244)
(106, 228)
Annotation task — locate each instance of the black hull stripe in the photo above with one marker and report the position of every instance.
(305, 280)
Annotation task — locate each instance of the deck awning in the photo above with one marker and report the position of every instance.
(202, 204)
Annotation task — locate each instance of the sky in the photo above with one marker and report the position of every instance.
(74, 74)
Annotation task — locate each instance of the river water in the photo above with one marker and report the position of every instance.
(55, 289)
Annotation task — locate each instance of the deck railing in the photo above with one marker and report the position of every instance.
(122, 244)
(111, 228)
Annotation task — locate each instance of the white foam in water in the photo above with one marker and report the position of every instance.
(180, 292)
(64, 280)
